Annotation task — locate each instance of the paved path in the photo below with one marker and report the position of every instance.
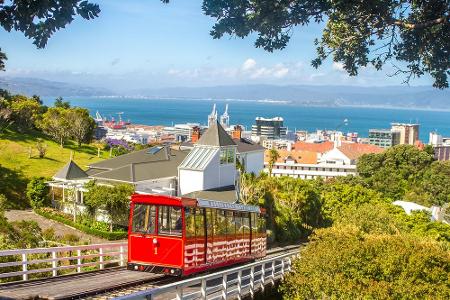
(60, 229)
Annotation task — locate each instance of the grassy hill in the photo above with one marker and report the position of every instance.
(17, 167)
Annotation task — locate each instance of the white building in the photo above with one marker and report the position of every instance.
(211, 164)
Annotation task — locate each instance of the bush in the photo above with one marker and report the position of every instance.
(63, 218)
(37, 192)
(343, 262)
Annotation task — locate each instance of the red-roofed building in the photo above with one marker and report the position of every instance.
(349, 153)
(319, 148)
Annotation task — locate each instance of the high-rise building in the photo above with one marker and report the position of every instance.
(269, 128)
(384, 138)
(409, 133)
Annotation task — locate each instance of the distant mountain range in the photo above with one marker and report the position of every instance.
(388, 96)
(46, 88)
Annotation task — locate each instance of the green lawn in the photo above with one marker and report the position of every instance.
(17, 167)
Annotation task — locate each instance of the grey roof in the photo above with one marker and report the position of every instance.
(146, 155)
(224, 194)
(246, 145)
(147, 170)
(70, 171)
(215, 135)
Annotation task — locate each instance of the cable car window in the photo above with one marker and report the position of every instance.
(254, 224)
(190, 221)
(246, 223)
(210, 222)
(144, 218)
(238, 221)
(231, 227)
(170, 221)
(199, 222)
(221, 223)
(261, 224)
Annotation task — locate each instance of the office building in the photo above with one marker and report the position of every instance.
(270, 129)
(409, 133)
(384, 138)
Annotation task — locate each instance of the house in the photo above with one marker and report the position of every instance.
(210, 164)
(325, 160)
(204, 170)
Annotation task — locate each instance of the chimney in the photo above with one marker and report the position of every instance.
(195, 134)
(237, 132)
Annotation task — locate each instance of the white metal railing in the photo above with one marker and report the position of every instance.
(232, 283)
(24, 262)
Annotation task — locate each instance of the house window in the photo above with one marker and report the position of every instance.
(227, 156)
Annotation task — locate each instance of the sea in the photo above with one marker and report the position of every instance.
(296, 117)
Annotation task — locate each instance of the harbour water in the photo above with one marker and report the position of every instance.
(174, 111)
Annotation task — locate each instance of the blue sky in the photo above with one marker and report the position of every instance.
(138, 44)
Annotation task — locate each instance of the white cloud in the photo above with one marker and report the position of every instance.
(248, 64)
(338, 66)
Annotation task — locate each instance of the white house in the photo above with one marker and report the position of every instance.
(211, 164)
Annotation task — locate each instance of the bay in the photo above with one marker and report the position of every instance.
(174, 111)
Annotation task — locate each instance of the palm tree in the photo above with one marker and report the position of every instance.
(273, 157)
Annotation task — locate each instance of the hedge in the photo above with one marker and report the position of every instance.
(111, 236)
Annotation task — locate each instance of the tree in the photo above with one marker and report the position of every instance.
(55, 123)
(24, 112)
(39, 20)
(356, 33)
(5, 115)
(273, 157)
(337, 196)
(60, 103)
(81, 124)
(37, 192)
(345, 263)
(115, 200)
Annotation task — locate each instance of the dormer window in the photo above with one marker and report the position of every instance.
(227, 156)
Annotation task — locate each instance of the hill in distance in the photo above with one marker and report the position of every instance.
(423, 97)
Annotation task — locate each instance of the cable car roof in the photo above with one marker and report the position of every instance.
(225, 205)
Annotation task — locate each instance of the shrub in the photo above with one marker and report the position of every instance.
(342, 262)
(37, 192)
(66, 219)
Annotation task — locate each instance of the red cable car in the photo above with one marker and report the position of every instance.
(182, 236)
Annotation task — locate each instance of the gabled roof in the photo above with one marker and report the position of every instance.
(246, 145)
(70, 171)
(198, 158)
(215, 135)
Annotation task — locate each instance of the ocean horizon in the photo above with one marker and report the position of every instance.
(157, 111)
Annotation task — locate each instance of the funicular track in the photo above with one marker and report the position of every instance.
(102, 284)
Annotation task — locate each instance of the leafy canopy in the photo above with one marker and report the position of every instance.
(39, 19)
(356, 33)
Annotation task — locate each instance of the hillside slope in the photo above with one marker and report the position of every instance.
(16, 167)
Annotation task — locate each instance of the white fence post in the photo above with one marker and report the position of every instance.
(100, 251)
(203, 289)
(122, 261)
(179, 290)
(79, 261)
(224, 286)
(54, 264)
(239, 284)
(263, 271)
(24, 266)
(252, 282)
(273, 273)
